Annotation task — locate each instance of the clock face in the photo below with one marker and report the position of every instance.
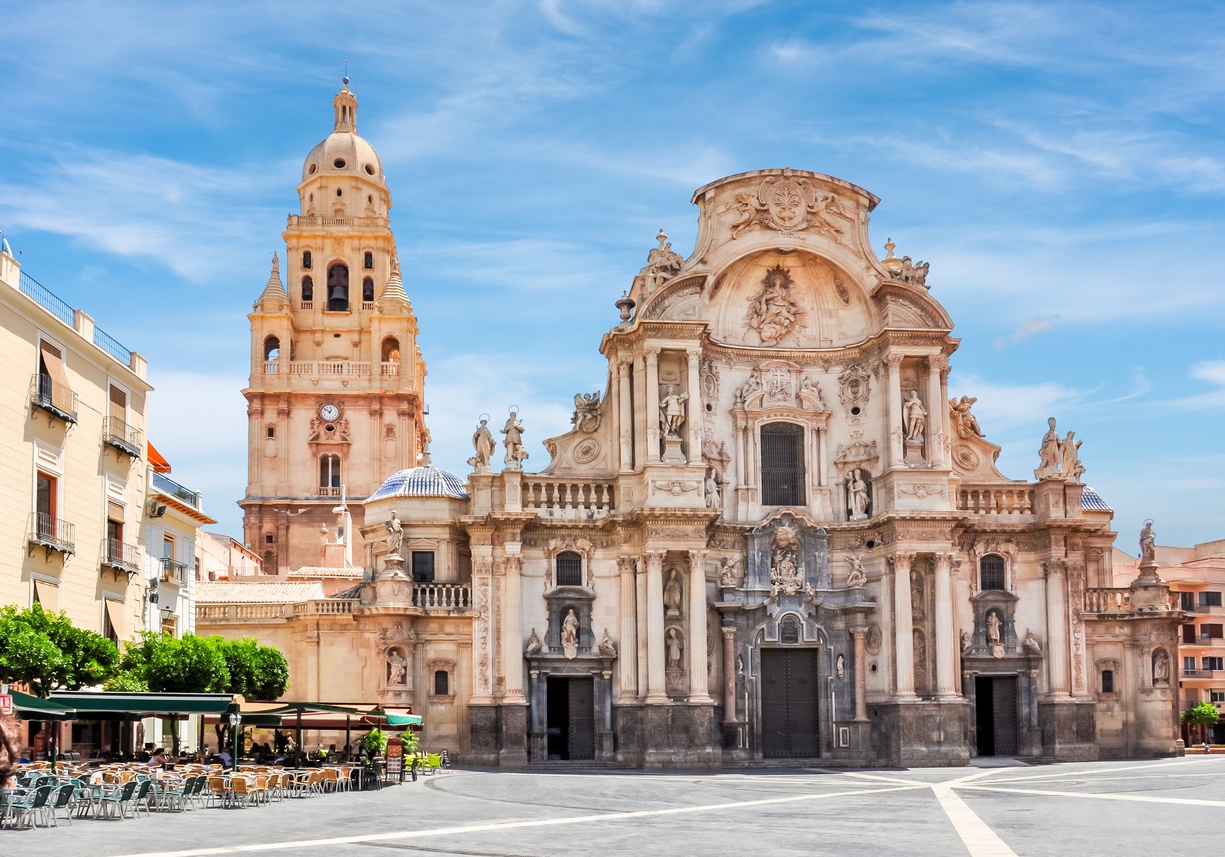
(329, 411)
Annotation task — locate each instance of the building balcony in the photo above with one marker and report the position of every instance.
(52, 534)
(328, 491)
(173, 489)
(1205, 674)
(310, 373)
(174, 571)
(118, 434)
(54, 398)
(442, 596)
(567, 498)
(119, 557)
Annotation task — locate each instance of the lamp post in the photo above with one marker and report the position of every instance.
(235, 723)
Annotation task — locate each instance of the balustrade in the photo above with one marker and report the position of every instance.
(994, 500)
(567, 498)
(1115, 600)
(442, 596)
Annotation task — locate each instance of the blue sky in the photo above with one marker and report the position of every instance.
(1061, 166)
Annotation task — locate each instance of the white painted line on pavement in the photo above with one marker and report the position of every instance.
(1091, 796)
(979, 839)
(510, 825)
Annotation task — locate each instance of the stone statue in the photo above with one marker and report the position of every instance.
(569, 635)
(772, 312)
(786, 570)
(534, 646)
(1161, 668)
(1072, 468)
(586, 412)
(994, 627)
(965, 640)
(1048, 453)
(713, 500)
(965, 422)
(840, 666)
(715, 454)
(663, 261)
(397, 667)
(1031, 644)
(857, 494)
(675, 645)
(672, 411)
(484, 444)
(729, 572)
(750, 387)
(515, 453)
(1148, 542)
(857, 576)
(607, 649)
(809, 395)
(672, 594)
(395, 535)
(915, 416)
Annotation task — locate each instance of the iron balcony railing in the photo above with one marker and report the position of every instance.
(174, 571)
(54, 398)
(122, 557)
(43, 296)
(54, 534)
(168, 486)
(117, 433)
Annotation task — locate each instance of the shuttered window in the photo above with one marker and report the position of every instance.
(569, 569)
(782, 464)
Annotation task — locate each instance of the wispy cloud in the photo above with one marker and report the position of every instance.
(1032, 325)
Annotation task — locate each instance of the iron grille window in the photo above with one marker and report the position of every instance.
(442, 683)
(991, 573)
(782, 464)
(1107, 681)
(423, 566)
(569, 569)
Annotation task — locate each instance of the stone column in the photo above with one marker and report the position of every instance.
(627, 657)
(512, 629)
(903, 627)
(1056, 629)
(861, 674)
(693, 359)
(698, 669)
(482, 631)
(945, 632)
(638, 412)
(640, 616)
(656, 663)
(729, 674)
(625, 414)
(895, 428)
(936, 406)
(651, 397)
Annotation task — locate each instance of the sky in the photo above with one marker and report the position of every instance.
(1061, 166)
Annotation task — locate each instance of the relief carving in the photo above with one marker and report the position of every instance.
(855, 385)
(787, 204)
(773, 313)
(586, 418)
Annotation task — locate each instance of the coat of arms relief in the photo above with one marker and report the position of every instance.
(787, 204)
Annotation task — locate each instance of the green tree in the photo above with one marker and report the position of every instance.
(1202, 715)
(47, 652)
(190, 664)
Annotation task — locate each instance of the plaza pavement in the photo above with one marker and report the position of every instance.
(1169, 807)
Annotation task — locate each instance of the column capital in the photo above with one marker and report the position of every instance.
(859, 632)
(625, 564)
(894, 361)
(729, 633)
(938, 363)
(651, 354)
(944, 561)
(902, 561)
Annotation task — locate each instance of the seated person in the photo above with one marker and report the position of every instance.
(158, 757)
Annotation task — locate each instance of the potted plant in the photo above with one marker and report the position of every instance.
(374, 743)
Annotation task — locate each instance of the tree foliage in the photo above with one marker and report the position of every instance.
(257, 672)
(46, 652)
(1203, 713)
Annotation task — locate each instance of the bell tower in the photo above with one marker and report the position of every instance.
(335, 399)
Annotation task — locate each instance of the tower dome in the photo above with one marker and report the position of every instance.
(343, 152)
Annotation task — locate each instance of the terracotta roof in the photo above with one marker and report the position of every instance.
(1090, 499)
(231, 592)
(314, 572)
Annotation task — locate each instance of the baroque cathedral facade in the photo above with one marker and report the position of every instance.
(772, 535)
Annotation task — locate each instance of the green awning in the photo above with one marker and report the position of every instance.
(94, 705)
(29, 707)
(403, 719)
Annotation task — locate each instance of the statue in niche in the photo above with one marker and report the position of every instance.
(965, 641)
(1031, 644)
(397, 667)
(773, 314)
(672, 410)
(995, 633)
(1148, 541)
(672, 594)
(915, 415)
(586, 412)
(395, 535)
(729, 572)
(965, 422)
(484, 444)
(675, 646)
(534, 645)
(1161, 668)
(840, 666)
(713, 500)
(857, 494)
(920, 660)
(918, 597)
(607, 649)
(569, 635)
(515, 453)
(1048, 453)
(1072, 468)
(708, 379)
(857, 576)
(786, 571)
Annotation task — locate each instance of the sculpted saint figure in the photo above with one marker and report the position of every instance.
(916, 416)
(672, 594)
(672, 410)
(397, 667)
(395, 535)
(1148, 542)
(607, 649)
(1048, 453)
(569, 634)
(515, 453)
(993, 628)
(675, 647)
(713, 500)
(586, 412)
(729, 572)
(1161, 668)
(1072, 468)
(857, 494)
(484, 444)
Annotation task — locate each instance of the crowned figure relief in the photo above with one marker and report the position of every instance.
(773, 313)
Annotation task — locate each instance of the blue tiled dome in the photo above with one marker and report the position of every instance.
(1090, 499)
(423, 481)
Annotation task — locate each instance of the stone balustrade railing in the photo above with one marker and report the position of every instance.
(558, 497)
(995, 500)
(1116, 600)
(238, 612)
(442, 596)
(329, 607)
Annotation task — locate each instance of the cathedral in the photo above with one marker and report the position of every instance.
(770, 535)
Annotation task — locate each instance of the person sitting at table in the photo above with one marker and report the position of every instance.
(157, 757)
(226, 759)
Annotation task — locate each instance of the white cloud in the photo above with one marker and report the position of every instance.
(1032, 325)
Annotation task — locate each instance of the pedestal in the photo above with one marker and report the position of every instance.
(914, 452)
(672, 451)
(393, 568)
